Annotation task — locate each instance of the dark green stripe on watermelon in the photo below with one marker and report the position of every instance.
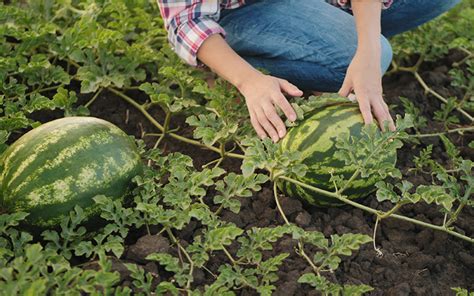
(324, 125)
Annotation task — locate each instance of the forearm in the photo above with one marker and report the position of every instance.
(223, 60)
(367, 14)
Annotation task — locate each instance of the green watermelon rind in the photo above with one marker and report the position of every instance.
(331, 121)
(50, 169)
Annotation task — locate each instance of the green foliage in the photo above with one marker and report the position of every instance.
(322, 285)
(462, 292)
(371, 154)
(12, 241)
(173, 265)
(258, 240)
(70, 236)
(56, 55)
(264, 154)
(328, 258)
(39, 271)
(443, 115)
(166, 97)
(142, 280)
(433, 39)
(419, 121)
(234, 185)
(211, 128)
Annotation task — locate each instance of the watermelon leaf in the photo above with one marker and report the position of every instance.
(234, 185)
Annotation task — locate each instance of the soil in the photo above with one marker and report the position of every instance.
(415, 261)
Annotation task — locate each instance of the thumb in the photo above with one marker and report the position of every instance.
(289, 88)
(346, 88)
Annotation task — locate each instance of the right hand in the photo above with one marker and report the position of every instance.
(262, 93)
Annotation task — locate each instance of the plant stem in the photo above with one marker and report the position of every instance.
(138, 106)
(191, 262)
(466, 58)
(456, 130)
(427, 89)
(173, 135)
(229, 256)
(439, 97)
(163, 134)
(375, 212)
(455, 215)
(217, 160)
(93, 98)
(277, 201)
(377, 250)
(390, 212)
(300, 243)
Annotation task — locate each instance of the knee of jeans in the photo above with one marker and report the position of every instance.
(386, 54)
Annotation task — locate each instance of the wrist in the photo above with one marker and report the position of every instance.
(245, 78)
(371, 51)
(369, 44)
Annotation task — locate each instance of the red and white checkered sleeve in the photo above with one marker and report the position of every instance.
(189, 23)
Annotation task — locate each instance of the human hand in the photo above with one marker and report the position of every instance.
(364, 77)
(262, 94)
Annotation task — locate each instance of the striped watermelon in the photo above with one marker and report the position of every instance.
(64, 163)
(315, 138)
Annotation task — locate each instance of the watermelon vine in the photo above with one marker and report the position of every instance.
(60, 58)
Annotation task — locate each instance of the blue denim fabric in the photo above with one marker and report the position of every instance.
(310, 42)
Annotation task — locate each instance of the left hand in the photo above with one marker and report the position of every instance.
(364, 77)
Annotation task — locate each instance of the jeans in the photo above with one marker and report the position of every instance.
(310, 42)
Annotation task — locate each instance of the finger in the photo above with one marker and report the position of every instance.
(364, 106)
(380, 114)
(346, 88)
(267, 126)
(256, 125)
(289, 88)
(285, 106)
(273, 117)
(391, 124)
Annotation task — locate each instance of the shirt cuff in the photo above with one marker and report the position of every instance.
(192, 34)
(347, 3)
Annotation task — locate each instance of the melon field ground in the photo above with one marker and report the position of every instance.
(205, 217)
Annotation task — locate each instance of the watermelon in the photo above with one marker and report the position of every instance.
(63, 163)
(315, 139)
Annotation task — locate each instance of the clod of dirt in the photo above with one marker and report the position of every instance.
(198, 277)
(419, 260)
(290, 205)
(399, 290)
(466, 259)
(231, 217)
(187, 232)
(303, 219)
(147, 245)
(287, 288)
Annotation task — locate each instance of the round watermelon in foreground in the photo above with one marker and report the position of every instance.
(64, 163)
(315, 139)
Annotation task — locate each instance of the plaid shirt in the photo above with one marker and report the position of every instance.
(190, 22)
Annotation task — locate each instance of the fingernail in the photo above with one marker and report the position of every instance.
(281, 133)
(292, 117)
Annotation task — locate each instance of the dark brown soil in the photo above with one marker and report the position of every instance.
(415, 261)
